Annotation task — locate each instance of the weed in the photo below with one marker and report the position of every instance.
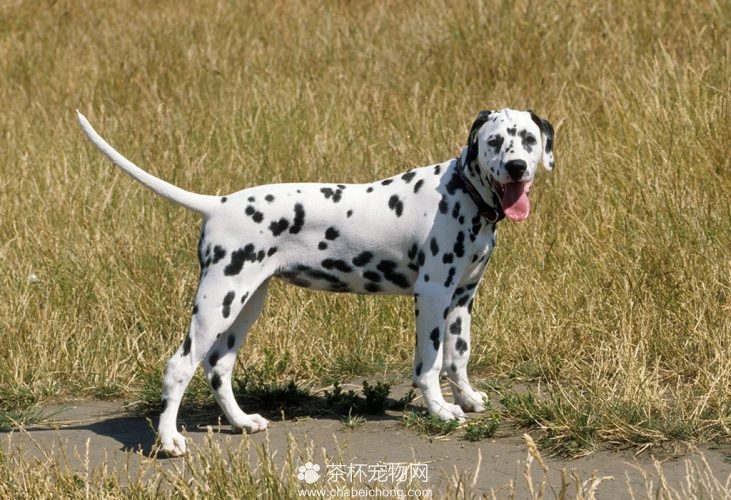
(373, 401)
(428, 425)
(482, 427)
(353, 422)
(265, 387)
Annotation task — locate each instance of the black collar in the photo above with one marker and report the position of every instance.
(490, 213)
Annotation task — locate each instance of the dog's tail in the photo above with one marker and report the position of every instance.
(200, 203)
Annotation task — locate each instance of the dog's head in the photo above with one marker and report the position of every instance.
(503, 150)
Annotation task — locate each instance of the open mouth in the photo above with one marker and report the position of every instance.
(514, 199)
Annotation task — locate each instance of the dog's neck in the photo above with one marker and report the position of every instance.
(481, 192)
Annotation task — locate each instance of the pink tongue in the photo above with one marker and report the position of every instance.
(515, 202)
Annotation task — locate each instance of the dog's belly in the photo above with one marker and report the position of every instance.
(378, 276)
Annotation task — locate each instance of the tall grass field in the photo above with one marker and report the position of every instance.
(611, 303)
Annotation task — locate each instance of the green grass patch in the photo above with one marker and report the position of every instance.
(428, 425)
(374, 400)
(482, 427)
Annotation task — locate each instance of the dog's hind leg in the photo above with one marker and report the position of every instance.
(219, 363)
(217, 309)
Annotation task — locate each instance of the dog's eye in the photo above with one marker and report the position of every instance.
(530, 140)
(495, 142)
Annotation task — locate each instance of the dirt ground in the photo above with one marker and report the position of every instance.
(117, 436)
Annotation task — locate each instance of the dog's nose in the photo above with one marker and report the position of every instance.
(516, 168)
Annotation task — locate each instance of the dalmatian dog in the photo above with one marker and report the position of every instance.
(428, 232)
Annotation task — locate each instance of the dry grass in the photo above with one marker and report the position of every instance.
(614, 297)
(222, 468)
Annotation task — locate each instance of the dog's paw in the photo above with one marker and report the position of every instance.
(251, 424)
(446, 411)
(173, 445)
(471, 402)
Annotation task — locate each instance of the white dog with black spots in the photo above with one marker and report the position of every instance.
(428, 232)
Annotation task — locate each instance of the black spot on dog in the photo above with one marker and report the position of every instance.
(437, 169)
(370, 189)
(186, 345)
(434, 246)
(512, 131)
(244, 297)
(204, 258)
(456, 210)
(255, 215)
(269, 198)
(216, 382)
(238, 257)
(396, 205)
(412, 251)
(231, 341)
(388, 268)
(386, 182)
(218, 254)
(331, 233)
(195, 309)
(278, 227)
(227, 300)
(271, 251)
(443, 205)
(450, 277)
(418, 185)
(459, 245)
(417, 370)
(434, 337)
(299, 219)
(372, 276)
(426, 278)
(335, 194)
(322, 245)
(251, 199)
(408, 176)
(338, 264)
(362, 259)
(224, 199)
(455, 183)
(456, 327)
(163, 405)
(322, 275)
(348, 213)
(293, 274)
(372, 287)
(213, 358)
(448, 258)
(461, 346)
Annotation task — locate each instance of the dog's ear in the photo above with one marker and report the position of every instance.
(472, 137)
(546, 139)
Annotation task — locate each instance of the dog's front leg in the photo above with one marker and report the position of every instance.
(431, 305)
(457, 346)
